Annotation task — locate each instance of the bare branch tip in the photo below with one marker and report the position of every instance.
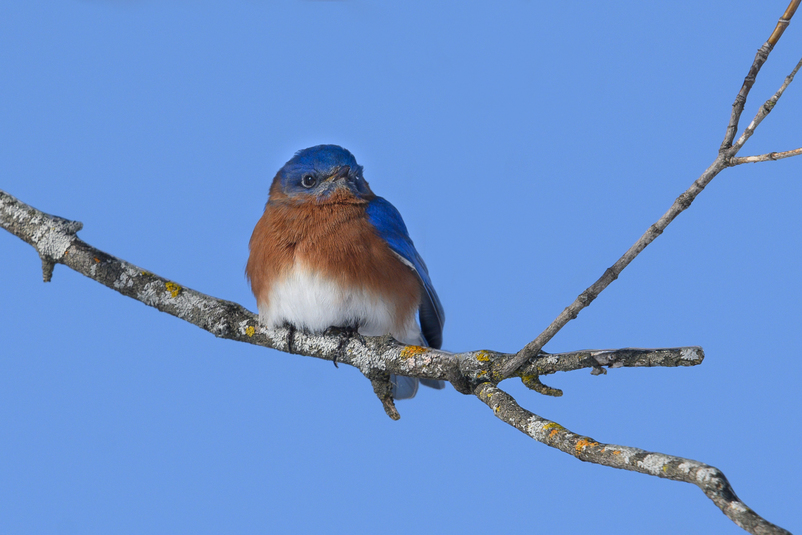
(532, 382)
(782, 24)
(768, 157)
(47, 269)
(389, 408)
(383, 389)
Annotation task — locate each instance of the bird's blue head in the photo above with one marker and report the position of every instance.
(319, 171)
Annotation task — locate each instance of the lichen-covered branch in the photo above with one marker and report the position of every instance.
(56, 241)
(727, 152)
(711, 480)
(630, 357)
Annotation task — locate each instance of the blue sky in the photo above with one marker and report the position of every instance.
(527, 145)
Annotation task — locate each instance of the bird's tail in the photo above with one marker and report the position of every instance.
(407, 387)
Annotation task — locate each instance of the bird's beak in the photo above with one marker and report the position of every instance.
(340, 173)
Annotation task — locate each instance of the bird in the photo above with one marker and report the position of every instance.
(329, 253)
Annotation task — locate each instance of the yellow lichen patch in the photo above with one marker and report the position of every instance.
(412, 351)
(147, 273)
(616, 452)
(531, 381)
(483, 356)
(582, 444)
(665, 468)
(481, 373)
(173, 288)
(555, 428)
(249, 330)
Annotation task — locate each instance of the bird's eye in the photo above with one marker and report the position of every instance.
(308, 181)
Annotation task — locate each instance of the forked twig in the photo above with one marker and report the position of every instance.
(724, 159)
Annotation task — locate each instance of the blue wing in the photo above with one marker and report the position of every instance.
(390, 227)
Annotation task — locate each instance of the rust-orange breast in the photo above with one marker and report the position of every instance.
(333, 238)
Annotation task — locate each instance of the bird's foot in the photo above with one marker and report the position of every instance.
(345, 334)
(290, 337)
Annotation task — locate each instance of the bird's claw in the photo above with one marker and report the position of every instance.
(345, 334)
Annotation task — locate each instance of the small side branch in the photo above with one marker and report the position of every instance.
(383, 389)
(708, 478)
(630, 357)
(768, 157)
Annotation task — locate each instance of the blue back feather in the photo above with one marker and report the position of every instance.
(391, 228)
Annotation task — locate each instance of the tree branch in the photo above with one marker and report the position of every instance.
(711, 480)
(727, 151)
(56, 240)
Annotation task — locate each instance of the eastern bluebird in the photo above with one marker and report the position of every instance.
(328, 252)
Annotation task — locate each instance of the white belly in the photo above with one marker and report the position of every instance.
(307, 300)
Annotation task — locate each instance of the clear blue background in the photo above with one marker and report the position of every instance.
(528, 145)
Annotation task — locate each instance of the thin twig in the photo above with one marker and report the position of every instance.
(740, 99)
(769, 157)
(782, 24)
(766, 108)
(760, 58)
(727, 151)
(711, 480)
(584, 299)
